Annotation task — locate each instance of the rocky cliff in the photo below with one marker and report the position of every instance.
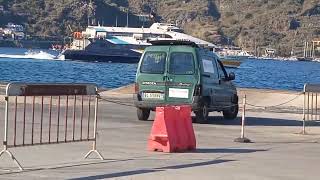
(280, 24)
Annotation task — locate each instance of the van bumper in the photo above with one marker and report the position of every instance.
(195, 105)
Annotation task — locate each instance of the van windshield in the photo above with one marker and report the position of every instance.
(181, 63)
(153, 62)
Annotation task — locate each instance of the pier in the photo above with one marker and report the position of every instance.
(278, 147)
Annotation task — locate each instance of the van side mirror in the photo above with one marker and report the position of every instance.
(231, 76)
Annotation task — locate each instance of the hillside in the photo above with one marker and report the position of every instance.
(280, 24)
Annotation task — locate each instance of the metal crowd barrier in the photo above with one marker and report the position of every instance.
(41, 114)
(310, 104)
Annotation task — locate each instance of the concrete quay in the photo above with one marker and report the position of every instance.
(278, 151)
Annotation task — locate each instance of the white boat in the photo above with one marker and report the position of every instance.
(140, 36)
(232, 56)
(123, 44)
(233, 53)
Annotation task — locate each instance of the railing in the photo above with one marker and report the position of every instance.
(310, 110)
(42, 114)
(310, 104)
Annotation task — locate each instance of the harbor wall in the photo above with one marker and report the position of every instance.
(258, 99)
(269, 99)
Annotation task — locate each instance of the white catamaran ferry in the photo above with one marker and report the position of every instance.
(123, 44)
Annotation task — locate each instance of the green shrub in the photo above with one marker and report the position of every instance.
(248, 16)
(229, 14)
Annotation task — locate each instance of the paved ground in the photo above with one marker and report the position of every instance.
(278, 152)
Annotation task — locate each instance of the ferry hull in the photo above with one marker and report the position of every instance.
(90, 57)
(304, 58)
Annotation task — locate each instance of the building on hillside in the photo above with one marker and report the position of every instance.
(23, 14)
(14, 31)
(270, 52)
(315, 47)
(15, 27)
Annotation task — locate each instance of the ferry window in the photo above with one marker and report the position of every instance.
(166, 36)
(153, 62)
(177, 30)
(181, 63)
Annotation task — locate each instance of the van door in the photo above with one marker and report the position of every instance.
(225, 92)
(151, 76)
(182, 75)
(210, 78)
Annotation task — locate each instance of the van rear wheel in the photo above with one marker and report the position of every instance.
(231, 113)
(143, 114)
(202, 114)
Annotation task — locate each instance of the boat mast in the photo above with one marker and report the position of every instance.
(255, 45)
(91, 13)
(292, 53)
(307, 49)
(128, 17)
(312, 49)
(304, 48)
(116, 21)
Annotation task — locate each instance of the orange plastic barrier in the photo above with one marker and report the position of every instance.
(172, 130)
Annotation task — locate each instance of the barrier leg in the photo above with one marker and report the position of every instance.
(5, 150)
(242, 138)
(94, 150)
(94, 144)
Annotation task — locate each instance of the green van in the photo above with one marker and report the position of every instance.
(182, 73)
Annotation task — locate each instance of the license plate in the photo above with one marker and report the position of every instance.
(179, 93)
(153, 96)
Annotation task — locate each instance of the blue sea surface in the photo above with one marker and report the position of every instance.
(103, 74)
(275, 74)
(18, 65)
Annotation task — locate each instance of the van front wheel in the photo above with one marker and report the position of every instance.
(143, 114)
(202, 114)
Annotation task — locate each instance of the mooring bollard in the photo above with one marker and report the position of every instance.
(242, 138)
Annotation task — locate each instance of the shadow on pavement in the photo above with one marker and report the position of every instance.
(216, 161)
(144, 171)
(229, 150)
(64, 165)
(124, 173)
(119, 174)
(258, 121)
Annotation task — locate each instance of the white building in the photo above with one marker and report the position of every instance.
(15, 31)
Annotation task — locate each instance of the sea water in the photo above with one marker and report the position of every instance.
(25, 65)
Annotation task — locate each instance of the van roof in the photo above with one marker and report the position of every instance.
(174, 42)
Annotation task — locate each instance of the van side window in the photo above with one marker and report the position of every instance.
(153, 62)
(181, 63)
(209, 67)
